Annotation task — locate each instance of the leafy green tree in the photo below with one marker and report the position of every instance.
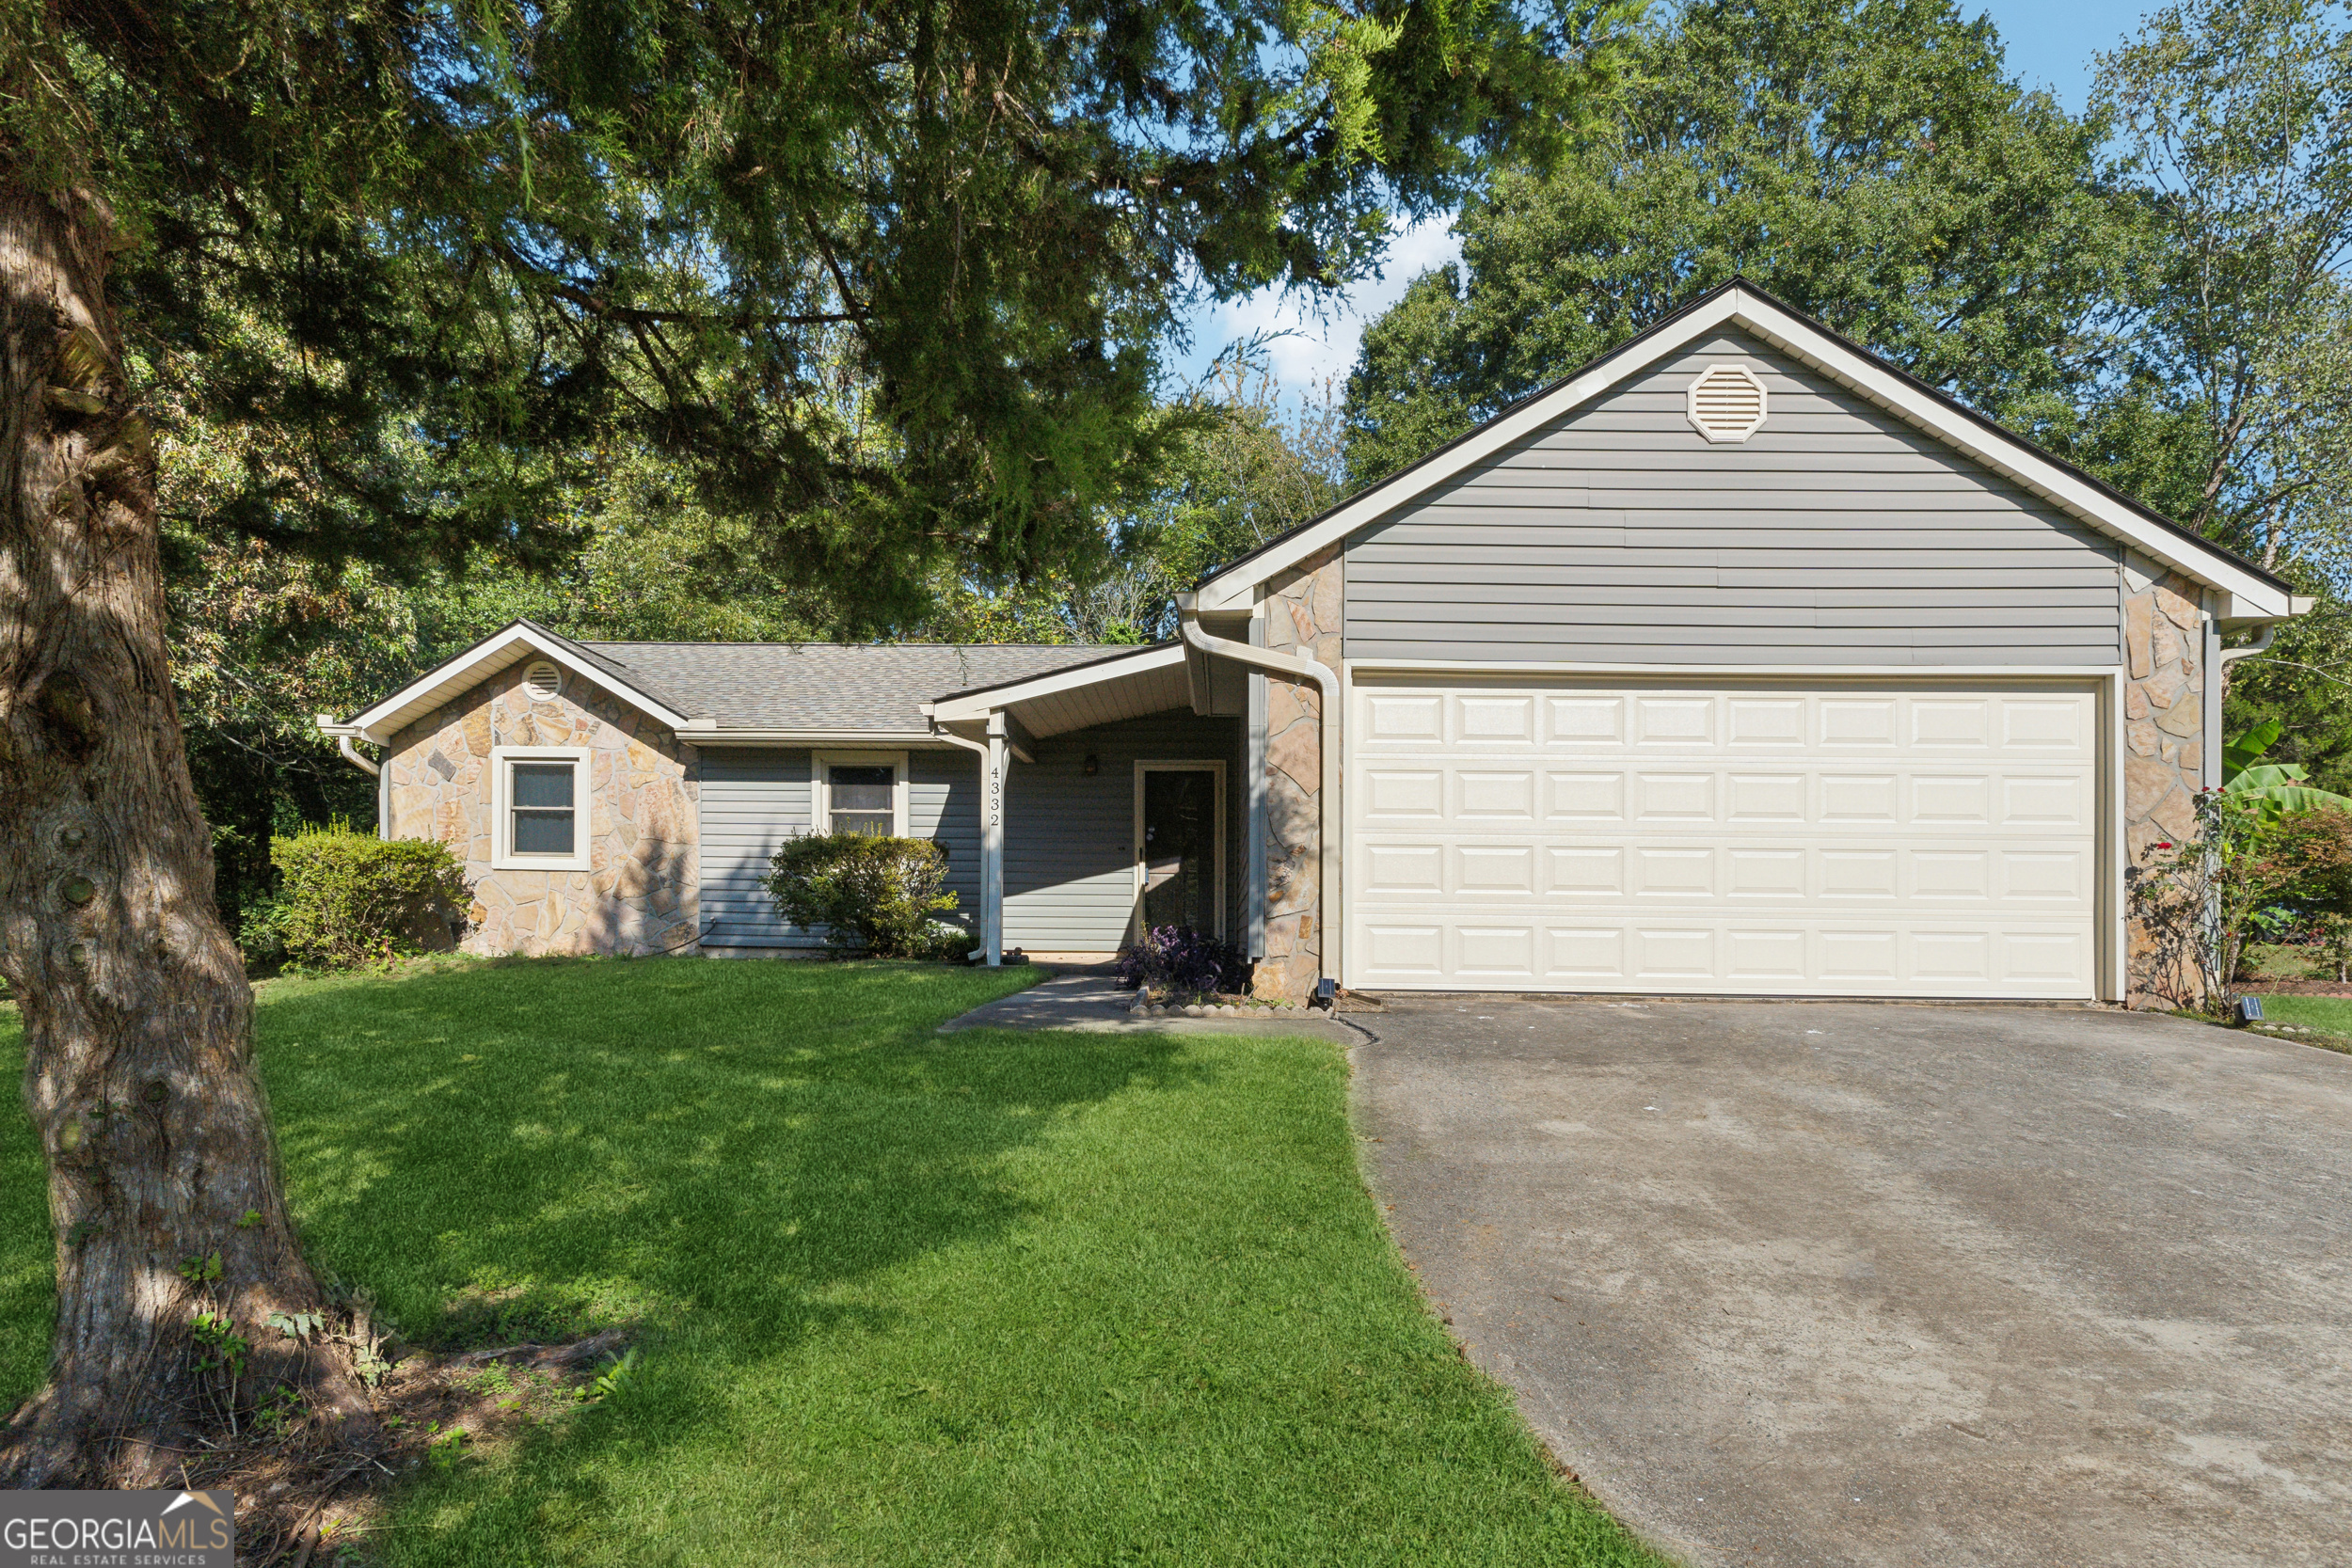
(2238, 115)
(2236, 412)
(1242, 467)
(885, 280)
(1872, 162)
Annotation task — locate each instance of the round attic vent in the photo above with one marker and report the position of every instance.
(542, 682)
(1726, 403)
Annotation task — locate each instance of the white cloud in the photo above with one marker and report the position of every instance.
(1305, 346)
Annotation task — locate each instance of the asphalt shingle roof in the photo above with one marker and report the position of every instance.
(824, 685)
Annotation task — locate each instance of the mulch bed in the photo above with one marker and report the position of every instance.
(300, 1504)
(2296, 987)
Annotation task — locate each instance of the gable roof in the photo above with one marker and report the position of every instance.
(710, 691)
(834, 686)
(2250, 592)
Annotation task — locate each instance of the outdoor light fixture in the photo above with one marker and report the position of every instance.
(1093, 764)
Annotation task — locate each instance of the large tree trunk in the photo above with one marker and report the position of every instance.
(137, 1018)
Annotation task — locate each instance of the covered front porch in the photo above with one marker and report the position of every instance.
(1114, 795)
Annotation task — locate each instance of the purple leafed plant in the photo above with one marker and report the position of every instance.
(1184, 962)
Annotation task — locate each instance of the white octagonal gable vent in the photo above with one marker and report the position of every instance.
(543, 682)
(1726, 403)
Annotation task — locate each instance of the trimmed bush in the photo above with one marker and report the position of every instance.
(348, 898)
(1184, 962)
(867, 891)
(262, 932)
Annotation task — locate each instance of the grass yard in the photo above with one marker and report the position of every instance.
(982, 1298)
(2322, 1019)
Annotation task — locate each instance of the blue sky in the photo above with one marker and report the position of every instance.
(2050, 43)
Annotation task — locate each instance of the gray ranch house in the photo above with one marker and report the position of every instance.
(1736, 663)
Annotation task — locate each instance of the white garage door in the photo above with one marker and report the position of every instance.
(1850, 838)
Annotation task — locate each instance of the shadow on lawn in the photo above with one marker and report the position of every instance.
(489, 1169)
(721, 1158)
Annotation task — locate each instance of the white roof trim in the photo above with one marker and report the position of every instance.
(499, 651)
(2247, 596)
(980, 704)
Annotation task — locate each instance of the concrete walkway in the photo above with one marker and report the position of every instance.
(1853, 1284)
(1087, 997)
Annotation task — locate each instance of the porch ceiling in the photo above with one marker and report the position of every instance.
(1104, 702)
(1124, 686)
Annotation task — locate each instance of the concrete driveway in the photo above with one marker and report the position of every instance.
(1831, 1283)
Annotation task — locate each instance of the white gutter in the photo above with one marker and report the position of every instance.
(342, 733)
(2263, 638)
(1295, 667)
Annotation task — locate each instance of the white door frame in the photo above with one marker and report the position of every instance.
(1179, 765)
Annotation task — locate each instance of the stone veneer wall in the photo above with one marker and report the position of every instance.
(638, 894)
(2164, 760)
(1302, 616)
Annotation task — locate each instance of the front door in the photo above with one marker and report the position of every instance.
(1177, 849)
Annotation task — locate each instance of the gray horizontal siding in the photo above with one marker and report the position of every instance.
(1835, 535)
(1069, 839)
(944, 805)
(754, 799)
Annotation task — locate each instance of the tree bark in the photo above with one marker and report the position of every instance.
(137, 1018)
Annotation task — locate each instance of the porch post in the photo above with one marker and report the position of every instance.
(992, 844)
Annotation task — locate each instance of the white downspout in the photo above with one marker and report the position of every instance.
(992, 923)
(326, 725)
(2217, 680)
(1295, 667)
(2263, 638)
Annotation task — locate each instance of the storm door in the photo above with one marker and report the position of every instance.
(1179, 844)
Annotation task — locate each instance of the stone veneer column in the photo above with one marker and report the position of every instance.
(2164, 756)
(1302, 615)
(641, 893)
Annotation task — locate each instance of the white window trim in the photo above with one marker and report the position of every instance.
(502, 854)
(821, 792)
(1179, 765)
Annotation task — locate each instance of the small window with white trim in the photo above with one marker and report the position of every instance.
(540, 796)
(858, 792)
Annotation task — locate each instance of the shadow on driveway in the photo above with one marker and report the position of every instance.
(1842, 1283)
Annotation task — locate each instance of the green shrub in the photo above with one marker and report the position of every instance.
(351, 898)
(867, 890)
(262, 932)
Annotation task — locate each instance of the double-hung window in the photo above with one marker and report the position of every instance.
(859, 792)
(540, 795)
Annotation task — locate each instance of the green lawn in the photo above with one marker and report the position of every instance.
(2331, 1015)
(985, 1298)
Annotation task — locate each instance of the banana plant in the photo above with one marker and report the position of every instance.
(2277, 787)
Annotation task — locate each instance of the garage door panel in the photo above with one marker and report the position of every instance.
(1584, 797)
(1929, 841)
(1752, 874)
(1757, 798)
(1764, 723)
(1403, 795)
(1765, 955)
(1590, 722)
(1495, 796)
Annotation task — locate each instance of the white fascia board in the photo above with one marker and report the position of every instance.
(980, 704)
(1237, 587)
(499, 651)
